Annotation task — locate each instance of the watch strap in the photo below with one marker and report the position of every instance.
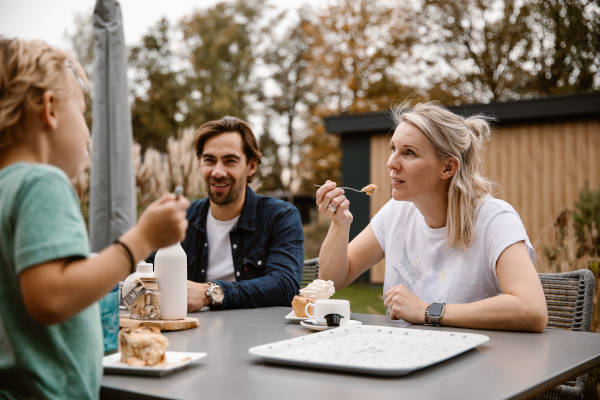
(426, 317)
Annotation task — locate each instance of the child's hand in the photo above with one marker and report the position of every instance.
(163, 222)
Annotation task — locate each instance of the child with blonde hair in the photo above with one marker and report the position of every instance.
(50, 331)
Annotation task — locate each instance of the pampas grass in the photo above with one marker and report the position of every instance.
(155, 173)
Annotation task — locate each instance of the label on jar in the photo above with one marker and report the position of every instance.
(134, 293)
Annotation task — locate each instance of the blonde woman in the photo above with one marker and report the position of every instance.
(454, 255)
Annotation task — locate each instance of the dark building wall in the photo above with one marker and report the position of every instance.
(356, 173)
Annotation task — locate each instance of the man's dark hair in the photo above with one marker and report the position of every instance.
(229, 124)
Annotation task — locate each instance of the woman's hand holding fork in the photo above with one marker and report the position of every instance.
(332, 202)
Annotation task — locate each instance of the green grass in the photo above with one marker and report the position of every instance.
(364, 298)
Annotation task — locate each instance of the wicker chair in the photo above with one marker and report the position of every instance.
(310, 272)
(570, 298)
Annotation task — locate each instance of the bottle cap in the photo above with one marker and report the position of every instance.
(144, 268)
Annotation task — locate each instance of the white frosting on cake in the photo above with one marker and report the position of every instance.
(318, 289)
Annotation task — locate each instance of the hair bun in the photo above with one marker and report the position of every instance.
(479, 127)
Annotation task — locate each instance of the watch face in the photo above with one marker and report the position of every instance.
(436, 309)
(217, 293)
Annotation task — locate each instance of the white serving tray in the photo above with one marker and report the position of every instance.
(370, 349)
(174, 360)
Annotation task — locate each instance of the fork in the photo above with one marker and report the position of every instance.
(344, 187)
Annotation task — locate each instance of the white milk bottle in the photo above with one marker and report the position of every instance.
(170, 267)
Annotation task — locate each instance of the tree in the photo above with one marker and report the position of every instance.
(269, 171)
(286, 91)
(82, 43)
(495, 50)
(219, 42)
(568, 60)
(356, 53)
(484, 44)
(156, 90)
(357, 50)
(321, 158)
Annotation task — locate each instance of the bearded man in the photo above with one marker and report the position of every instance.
(244, 250)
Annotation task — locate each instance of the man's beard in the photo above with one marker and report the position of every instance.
(225, 198)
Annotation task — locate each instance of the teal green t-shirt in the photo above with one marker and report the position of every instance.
(40, 220)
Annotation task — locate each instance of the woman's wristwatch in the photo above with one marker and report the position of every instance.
(433, 313)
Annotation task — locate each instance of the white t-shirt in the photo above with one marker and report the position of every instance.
(418, 256)
(220, 260)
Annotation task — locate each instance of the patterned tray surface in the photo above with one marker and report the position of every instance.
(370, 349)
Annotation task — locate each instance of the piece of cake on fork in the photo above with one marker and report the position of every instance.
(369, 189)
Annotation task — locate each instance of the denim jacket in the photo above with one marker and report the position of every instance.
(267, 247)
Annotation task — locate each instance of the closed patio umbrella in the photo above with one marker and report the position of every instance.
(112, 191)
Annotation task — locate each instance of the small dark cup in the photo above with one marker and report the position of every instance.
(333, 319)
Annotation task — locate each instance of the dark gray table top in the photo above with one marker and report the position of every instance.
(511, 365)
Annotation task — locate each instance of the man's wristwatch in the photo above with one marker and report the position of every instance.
(215, 294)
(433, 313)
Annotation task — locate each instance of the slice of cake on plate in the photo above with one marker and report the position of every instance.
(142, 346)
(317, 289)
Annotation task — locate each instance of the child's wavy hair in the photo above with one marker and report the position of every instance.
(462, 138)
(28, 68)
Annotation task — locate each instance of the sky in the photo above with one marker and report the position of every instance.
(51, 19)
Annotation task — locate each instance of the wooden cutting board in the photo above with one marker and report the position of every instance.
(163, 325)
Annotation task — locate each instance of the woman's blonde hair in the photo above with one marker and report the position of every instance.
(27, 70)
(462, 138)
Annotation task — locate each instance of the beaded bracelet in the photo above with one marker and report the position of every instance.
(129, 253)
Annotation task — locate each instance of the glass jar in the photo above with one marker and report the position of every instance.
(143, 300)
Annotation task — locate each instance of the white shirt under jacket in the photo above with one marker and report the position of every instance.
(220, 260)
